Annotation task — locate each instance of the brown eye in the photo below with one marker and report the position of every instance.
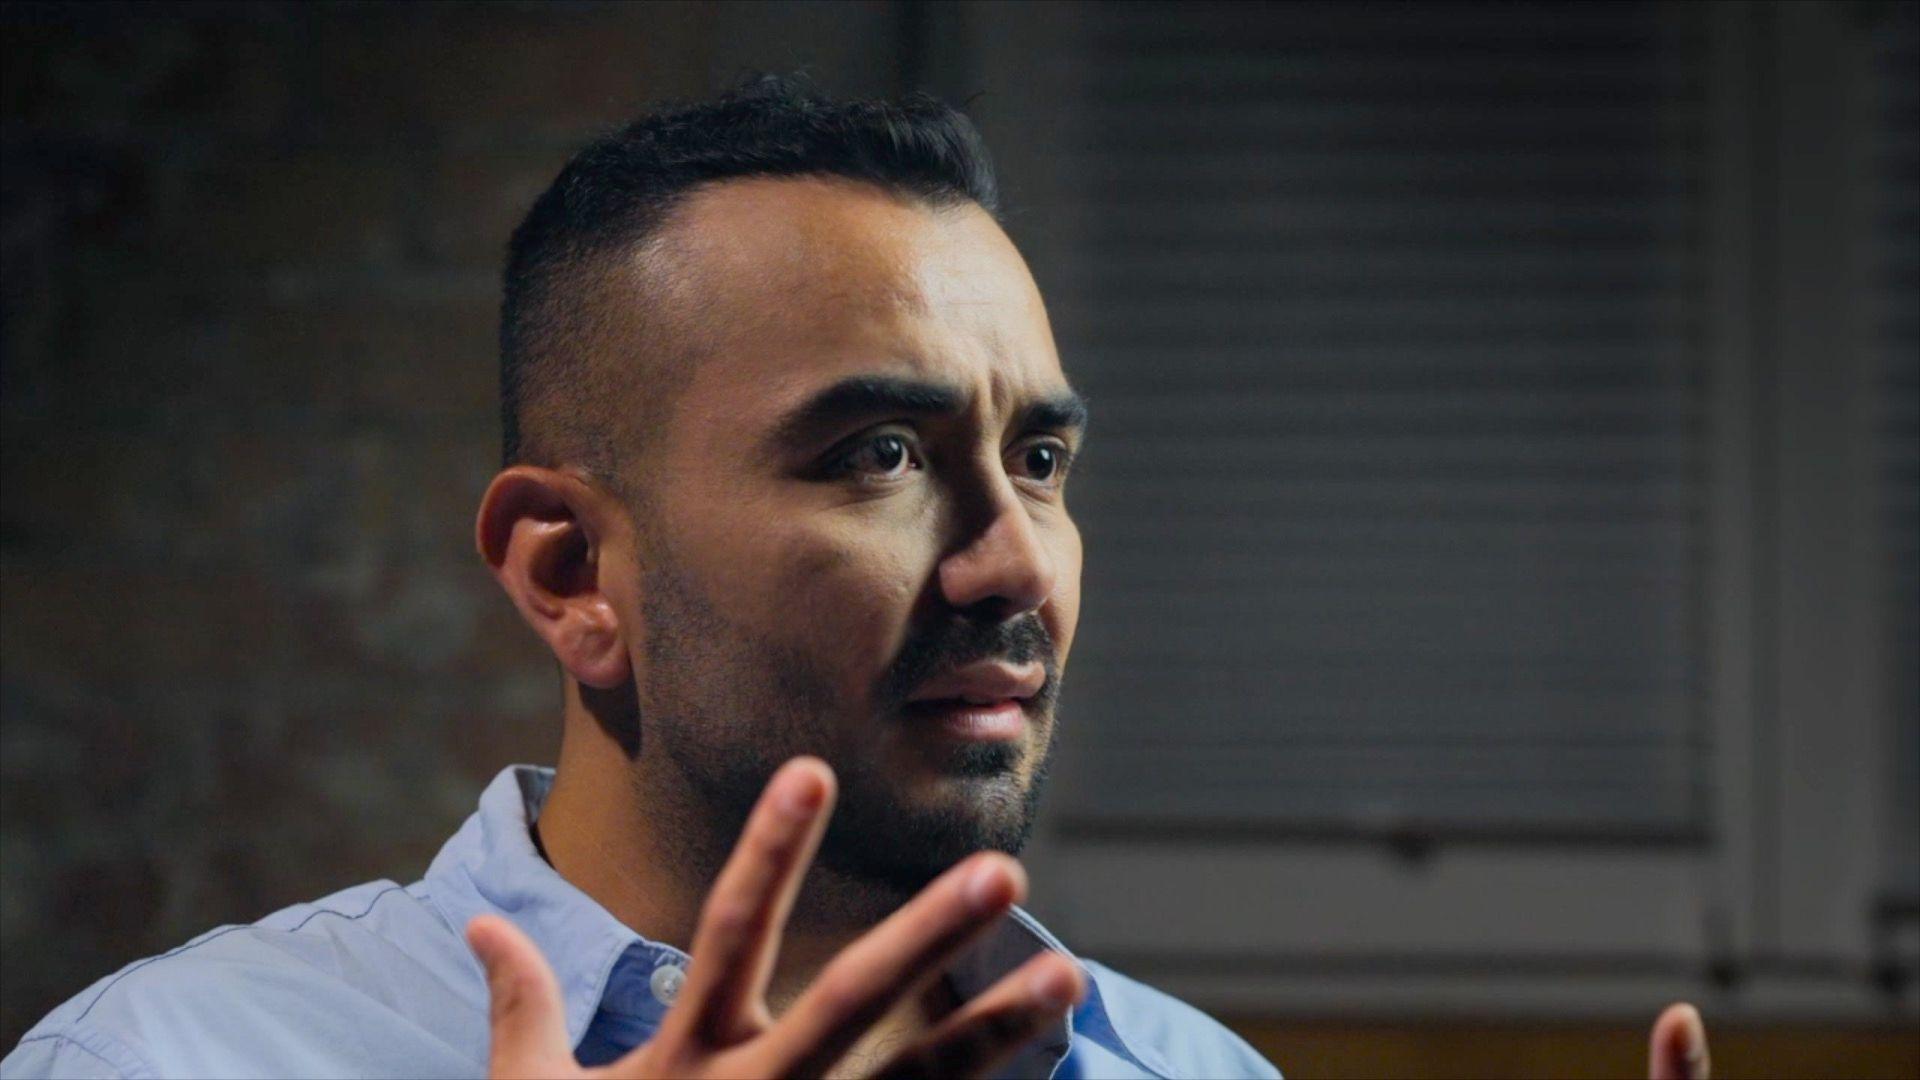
(883, 456)
(1043, 462)
(888, 452)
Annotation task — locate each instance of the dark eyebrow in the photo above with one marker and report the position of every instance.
(1066, 412)
(863, 397)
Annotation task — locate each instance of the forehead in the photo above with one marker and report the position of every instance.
(797, 283)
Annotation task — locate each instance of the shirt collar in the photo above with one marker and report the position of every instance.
(491, 867)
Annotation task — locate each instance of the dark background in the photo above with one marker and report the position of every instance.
(251, 258)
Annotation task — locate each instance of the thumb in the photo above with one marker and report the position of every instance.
(526, 1015)
(1677, 1050)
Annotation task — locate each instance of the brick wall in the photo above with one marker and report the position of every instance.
(251, 252)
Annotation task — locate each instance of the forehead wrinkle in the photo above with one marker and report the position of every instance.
(885, 297)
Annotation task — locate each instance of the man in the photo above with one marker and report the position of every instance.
(786, 446)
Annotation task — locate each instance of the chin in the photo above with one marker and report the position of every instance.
(986, 761)
(905, 835)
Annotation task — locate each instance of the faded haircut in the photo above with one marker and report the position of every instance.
(561, 401)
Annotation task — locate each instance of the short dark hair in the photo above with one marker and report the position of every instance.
(617, 193)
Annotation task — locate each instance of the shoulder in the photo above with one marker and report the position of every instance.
(1163, 1033)
(297, 987)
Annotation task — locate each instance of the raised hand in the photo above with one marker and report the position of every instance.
(720, 1024)
(1677, 1049)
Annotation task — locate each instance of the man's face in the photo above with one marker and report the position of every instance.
(853, 521)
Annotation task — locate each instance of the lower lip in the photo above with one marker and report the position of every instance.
(1001, 722)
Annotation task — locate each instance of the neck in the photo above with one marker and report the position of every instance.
(625, 831)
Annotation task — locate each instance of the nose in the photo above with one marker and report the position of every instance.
(1004, 567)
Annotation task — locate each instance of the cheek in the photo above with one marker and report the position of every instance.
(845, 591)
(1062, 613)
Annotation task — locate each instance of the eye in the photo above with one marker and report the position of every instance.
(881, 456)
(1045, 461)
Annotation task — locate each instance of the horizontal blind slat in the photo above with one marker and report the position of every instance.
(1390, 317)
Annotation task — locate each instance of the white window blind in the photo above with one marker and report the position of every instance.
(1389, 316)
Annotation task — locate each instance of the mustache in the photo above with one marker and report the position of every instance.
(958, 641)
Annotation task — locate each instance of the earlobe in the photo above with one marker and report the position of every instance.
(540, 532)
(593, 649)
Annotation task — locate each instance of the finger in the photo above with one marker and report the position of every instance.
(527, 1018)
(980, 1038)
(908, 950)
(1677, 1050)
(738, 937)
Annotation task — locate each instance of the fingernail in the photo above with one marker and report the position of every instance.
(802, 796)
(1696, 1029)
(986, 886)
(1052, 987)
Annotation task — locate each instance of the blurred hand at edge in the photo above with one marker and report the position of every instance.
(1677, 1049)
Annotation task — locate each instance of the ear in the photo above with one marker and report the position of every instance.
(541, 532)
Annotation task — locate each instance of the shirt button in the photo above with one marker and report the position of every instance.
(666, 983)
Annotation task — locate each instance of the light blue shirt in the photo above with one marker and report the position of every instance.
(377, 980)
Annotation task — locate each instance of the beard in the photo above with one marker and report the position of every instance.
(727, 708)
